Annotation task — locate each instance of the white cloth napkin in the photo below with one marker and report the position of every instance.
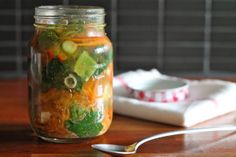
(208, 99)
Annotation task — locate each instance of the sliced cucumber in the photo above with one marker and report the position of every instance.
(69, 47)
(85, 66)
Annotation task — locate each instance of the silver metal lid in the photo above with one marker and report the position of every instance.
(68, 10)
(87, 14)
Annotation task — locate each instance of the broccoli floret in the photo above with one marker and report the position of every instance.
(47, 39)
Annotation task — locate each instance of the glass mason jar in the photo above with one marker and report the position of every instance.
(70, 73)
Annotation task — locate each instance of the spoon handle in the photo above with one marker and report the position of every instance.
(187, 131)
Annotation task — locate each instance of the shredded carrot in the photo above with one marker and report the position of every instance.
(84, 39)
(91, 41)
(89, 91)
(56, 102)
(62, 57)
(107, 97)
(109, 73)
(107, 119)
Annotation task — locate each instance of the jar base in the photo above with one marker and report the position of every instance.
(61, 140)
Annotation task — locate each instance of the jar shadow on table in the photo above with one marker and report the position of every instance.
(23, 133)
(15, 133)
(19, 138)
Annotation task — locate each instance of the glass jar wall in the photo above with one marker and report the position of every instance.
(70, 74)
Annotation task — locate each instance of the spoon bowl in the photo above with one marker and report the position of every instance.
(113, 149)
(120, 150)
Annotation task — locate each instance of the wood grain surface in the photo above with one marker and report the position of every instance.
(17, 138)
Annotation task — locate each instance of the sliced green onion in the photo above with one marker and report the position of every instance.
(70, 81)
(69, 47)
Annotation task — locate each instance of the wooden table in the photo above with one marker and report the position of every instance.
(17, 138)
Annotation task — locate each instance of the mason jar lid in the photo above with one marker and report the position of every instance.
(86, 14)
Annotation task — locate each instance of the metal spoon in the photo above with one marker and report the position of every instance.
(120, 150)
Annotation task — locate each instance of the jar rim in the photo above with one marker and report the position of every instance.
(69, 14)
(68, 10)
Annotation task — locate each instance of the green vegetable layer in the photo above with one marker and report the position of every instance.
(83, 122)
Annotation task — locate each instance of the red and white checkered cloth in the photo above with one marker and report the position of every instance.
(207, 99)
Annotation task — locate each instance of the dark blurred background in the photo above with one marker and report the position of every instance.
(178, 37)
